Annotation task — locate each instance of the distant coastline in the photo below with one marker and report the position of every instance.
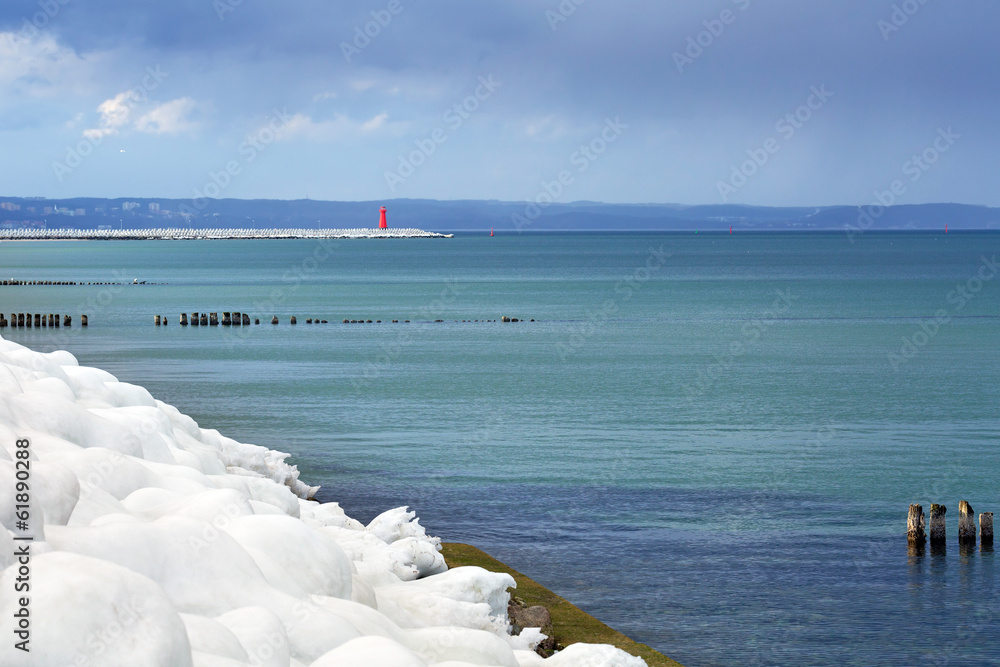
(469, 215)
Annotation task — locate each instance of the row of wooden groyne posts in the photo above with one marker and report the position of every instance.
(237, 319)
(915, 526)
(39, 320)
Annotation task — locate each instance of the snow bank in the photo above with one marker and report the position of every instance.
(157, 542)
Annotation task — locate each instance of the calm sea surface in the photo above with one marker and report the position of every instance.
(708, 441)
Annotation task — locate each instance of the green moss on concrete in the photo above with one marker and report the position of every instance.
(570, 623)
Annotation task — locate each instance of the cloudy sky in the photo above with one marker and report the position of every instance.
(771, 102)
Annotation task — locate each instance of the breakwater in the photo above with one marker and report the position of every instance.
(174, 234)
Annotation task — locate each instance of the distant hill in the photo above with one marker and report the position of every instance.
(450, 216)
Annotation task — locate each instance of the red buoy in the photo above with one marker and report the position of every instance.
(382, 224)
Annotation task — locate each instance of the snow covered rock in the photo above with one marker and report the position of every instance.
(156, 542)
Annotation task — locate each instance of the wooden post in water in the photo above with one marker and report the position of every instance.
(274, 320)
(226, 321)
(293, 320)
(966, 522)
(915, 525)
(67, 320)
(184, 319)
(20, 320)
(204, 319)
(213, 319)
(43, 320)
(237, 319)
(246, 320)
(156, 320)
(83, 321)
(938, 527)
(194, 319)
(57, 320)
(986, 529)
(52, 321)
(38, 321)
(256, 321)
(27, 320)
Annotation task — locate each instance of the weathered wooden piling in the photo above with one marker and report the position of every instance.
(52, 321)
(309, 321)
(226, 319)
(83, 320)
(213, 319)
(20, 319)
(204, 319)
(938, 528)
(38, 320)
(246, 320)
(274, 320)
(966, 522)
(237, 319)
(293, 320)
(184, 319)
(156, 320)
(67, 320)
(256, 321)
(57, 320)
(915, 524)
(986, 528)
(194, 319)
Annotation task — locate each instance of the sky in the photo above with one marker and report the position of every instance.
(779, 103)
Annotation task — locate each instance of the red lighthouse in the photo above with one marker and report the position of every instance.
(382, 224)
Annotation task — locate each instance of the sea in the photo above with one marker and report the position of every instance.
(709, 441)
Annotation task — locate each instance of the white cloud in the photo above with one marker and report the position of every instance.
(168, 118)
(339, 127)
(324, 96)
(114, 115)
(41, 67)
(375, 123)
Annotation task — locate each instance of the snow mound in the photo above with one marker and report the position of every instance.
(156, 542)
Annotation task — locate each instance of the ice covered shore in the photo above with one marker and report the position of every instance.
(159, 543)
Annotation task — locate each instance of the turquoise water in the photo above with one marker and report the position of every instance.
(708, 441)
